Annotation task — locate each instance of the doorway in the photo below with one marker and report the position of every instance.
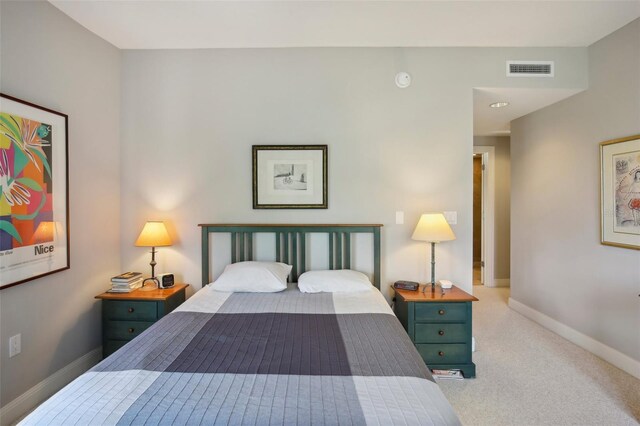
(483, 215)
(477, 219)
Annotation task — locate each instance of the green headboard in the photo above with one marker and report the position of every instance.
(291, 245)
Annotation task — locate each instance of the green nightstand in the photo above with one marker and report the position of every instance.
(439, 325)
(126, 315)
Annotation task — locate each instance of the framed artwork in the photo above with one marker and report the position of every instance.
(290, 176)
(34, 194)
(620, 192)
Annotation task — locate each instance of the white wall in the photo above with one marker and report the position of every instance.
(189, 118)
(502, 233)
(558, 266)
(50, 60)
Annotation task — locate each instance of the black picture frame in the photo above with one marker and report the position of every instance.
(43, 244)
(290, 176)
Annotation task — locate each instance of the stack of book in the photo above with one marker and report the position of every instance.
(447, 374)
(127, 282)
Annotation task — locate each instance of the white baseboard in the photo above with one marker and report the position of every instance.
(502, 282)
(29, 400)
(609, 354)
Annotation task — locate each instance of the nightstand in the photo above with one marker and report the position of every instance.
(126, 315)
(439, 325)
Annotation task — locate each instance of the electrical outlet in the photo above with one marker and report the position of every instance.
(15, 345)
(399, 218)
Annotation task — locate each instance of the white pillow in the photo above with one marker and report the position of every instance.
(253, 277)
(340, 281)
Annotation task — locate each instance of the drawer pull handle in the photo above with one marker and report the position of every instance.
(130, 310)
(131, 330)
(441, 312)
(441, 353)
(441, 332)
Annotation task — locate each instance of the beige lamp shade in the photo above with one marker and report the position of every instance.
(433, 227)
(154, 234)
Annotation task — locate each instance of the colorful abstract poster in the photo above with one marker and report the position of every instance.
(33, 192)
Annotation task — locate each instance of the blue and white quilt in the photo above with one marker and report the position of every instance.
(260, 358)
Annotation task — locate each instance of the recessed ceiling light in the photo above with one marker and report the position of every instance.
(499, 104)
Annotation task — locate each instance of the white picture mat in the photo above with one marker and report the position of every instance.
(22, 263)
(265, 161)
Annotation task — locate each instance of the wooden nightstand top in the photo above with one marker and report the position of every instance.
(454, 294)
(140, 294)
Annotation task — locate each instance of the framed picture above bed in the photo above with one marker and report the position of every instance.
(620, 192)
(34, 196)
(290, 176)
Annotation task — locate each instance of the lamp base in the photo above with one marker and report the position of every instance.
(150, 287)
(433, 269)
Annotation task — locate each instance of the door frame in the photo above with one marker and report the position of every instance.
(488, 213)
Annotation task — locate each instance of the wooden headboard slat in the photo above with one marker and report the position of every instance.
(294, 253)
(303, 250)
(291, 244)
(376, 256)
(234, 249)
(278, 248)
(347, 251)
(331, 245)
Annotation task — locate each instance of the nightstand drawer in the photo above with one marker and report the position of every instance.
(125, 330)
(456, 353)
(130, 310)
(441, 333)
(440, 312)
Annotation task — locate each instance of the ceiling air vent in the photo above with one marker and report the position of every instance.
(530, 68)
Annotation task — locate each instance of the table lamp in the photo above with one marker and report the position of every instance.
(433, 228)
(154, 234)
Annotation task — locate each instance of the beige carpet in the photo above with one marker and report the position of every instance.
(527, 375)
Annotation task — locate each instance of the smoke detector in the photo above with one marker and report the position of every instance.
(403, 80)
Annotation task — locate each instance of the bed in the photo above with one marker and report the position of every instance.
(263, 358)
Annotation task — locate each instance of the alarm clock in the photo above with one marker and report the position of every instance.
(406, 285)
(165, 280)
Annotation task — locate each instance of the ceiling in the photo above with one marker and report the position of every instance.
(184, 24)
(489, 121)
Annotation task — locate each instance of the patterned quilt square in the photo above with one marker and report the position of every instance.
(266, 343)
